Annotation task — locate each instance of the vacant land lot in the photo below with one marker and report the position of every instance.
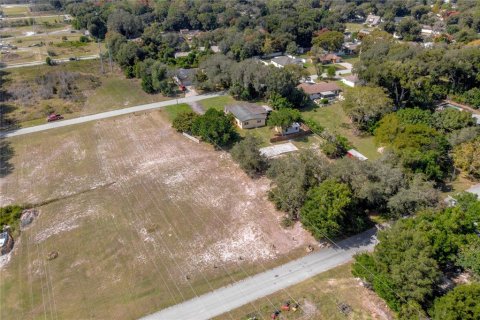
(320, 298)
(15, 10)
(73, 89)
(141, 218)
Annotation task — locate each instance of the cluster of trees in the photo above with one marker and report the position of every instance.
(250, 79)
(213, 127)
(409, 266)
(420, 139)
(333, 199)
(414, 76)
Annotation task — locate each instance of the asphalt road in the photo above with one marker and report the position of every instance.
(222, 300)
(105, 115)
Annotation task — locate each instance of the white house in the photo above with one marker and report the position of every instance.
(248, 116)
(351, 80)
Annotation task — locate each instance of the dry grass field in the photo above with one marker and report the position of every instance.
(141, 218)
(320, 298)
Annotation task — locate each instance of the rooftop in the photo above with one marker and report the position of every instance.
(318, 87)
(286, 60)
(245, 112)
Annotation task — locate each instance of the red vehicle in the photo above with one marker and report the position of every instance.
(54, 117)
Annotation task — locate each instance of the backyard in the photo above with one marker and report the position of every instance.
(141, 218)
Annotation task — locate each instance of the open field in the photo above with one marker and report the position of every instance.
(93, 91)
(15, 11)
(319, 299)
(333, 118)
(141, 218)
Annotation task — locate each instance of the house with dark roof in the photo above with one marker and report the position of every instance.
(321, 90)
(283, 61)
(184, 77)
(248, 116)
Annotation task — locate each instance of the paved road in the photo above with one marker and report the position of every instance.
(105, 115)
(228, 298)
(38, 63)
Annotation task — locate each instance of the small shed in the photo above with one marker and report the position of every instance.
(294, 128)
(351, 80)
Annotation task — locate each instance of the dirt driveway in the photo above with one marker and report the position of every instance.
(141, 218)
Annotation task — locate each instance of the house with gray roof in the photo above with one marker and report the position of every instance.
(248, 116)
(282, 61)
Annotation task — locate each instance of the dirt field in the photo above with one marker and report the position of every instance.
(320, 298)
(141, 218)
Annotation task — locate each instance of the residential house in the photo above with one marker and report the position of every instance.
(373, 20)
(351, 80)
(181, 54)
(330, 58)
(184, 77)
(282, 61)
(354, 154)
(248, 116)
(350, 48)
(427, 31)
(321, 90)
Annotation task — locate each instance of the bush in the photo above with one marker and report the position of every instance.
(246, 153)
(184, 120)
(49, 61)
(84, 39)
(335, 146)
(10, 215)
(215, 127)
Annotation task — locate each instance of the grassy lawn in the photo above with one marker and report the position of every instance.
(173, 110)
(319, 298)
(217, 103)
(333, 118)
(355, 27)
(351, 59)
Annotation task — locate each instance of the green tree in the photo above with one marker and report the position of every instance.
(278, 102)
(329, 40)
(451, 119)
(331, 71)
(246, 153)
(459, 304)
(366, 105)
(469, 255)
(284, 118)
(215, 127)
(329, 210)
(184, 120)
(466, 157)
(292, 176)
(409, 29)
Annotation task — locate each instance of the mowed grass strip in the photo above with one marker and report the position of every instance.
(319, 298)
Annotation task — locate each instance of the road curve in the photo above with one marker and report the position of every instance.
(105, 115)
(222, 300)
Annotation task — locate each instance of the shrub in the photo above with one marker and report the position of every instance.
(10, 215)
(246, 153)
(183, 121)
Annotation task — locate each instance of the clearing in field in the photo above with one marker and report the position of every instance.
(332, 295)
(141, 218)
